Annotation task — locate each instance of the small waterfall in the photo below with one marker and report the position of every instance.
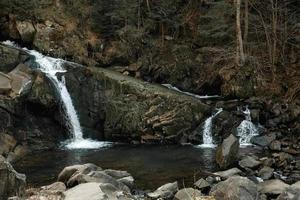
(52, 66)
(169, 86)
(246, 130)
(207, 130)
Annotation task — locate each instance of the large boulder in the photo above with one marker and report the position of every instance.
(10, 58)
(12, 183)
(227, 152)
(249, 162)
(273, 187)
(235, 188)
(166, 191)
(187, 193)
(117, 107)
(228, 173)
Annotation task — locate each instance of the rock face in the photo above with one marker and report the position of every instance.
(117, 107)
(235, 188)
(12, 183)
(227, 152)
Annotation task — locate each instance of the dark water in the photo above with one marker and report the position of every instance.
(151, 166)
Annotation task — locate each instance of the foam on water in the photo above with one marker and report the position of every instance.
(207, 131)
(51, 66)
(246, 130)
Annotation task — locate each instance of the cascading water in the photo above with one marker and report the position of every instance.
(169, 86)
(207, 131)
(52, 66)
(246, 130)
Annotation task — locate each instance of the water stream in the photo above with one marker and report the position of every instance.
(207, 131)
(246, 130)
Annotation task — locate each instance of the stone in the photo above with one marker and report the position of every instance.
(26, 31)
(69, 171)
(57, 186)
(166, 191)
(7, 143)
(90, 191)
(275, 145)
(128, 181)
(235, 188)
(227, 152)
(21, 79)
(228, 173)
(5, 83)
(264, 140)
(113, 193)
(97, 177)
(202, 184)
(249, 162)
(10, 58)
(188, 193)
(12, 183)
(116, 173)
(273, 186)
(266, 172)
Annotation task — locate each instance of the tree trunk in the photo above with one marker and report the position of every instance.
(246, 22)
(240, 57)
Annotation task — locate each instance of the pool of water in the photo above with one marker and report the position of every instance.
(151, 166)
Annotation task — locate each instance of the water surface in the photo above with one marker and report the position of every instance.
(151, 166)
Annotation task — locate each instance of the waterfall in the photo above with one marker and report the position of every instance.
(169, 86)
(50, 67)
(207, 130)
(246, 130)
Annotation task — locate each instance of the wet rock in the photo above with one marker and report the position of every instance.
(12, 183)
(235, 188)
(274, 187)
(266, 172)
(187, 193)
(166, 191)
(227, 152)
(202, 184)
(228, 173)
(249, 162)
(275, 145)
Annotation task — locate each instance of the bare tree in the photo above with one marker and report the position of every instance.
(240, 56)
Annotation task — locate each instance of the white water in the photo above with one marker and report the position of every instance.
(207, 131)
(52, 66)
(246, 130)
(188, 93)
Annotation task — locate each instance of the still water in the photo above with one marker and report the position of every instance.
(151, 166)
